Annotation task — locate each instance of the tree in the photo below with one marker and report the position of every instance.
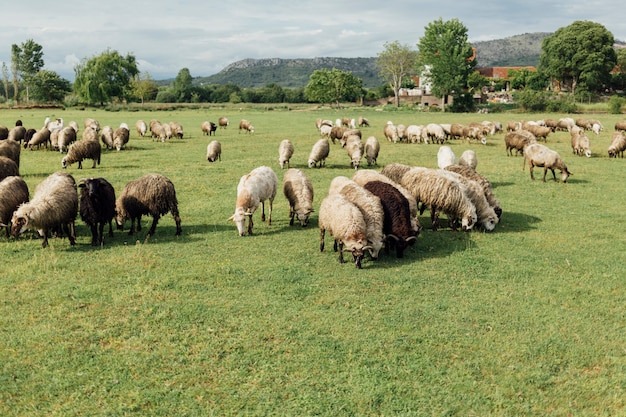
(15, 69)
(182, 86)
(49, 87)
(332, 86)
(396, 62)
(581, 53)
(29, 61)
(143, 87)
(446, 58)
(104, 77)
(5, 79)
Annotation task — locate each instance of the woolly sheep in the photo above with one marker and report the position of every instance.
(344, 221)
(580, 145)
(254, 189)
(482, 181)
(208, 128)
(54, 205)
(355, 149)
(223, 122)
(141, 127)
(435, 133)
(516, 140)
(445, 157)
(91, 123)
(539, 155)
(53, 125)
(395, 171)
(336, 133)
(17, 133)
(456, 131)
(540, 132)
(97, 207)
(177, 130)
(83, 149)
(414, 133)
(325, 130)
(285, 152)
(298, 191)
(468, 158)
(14, 191)
(8, 168)
(618, 145)
(402, 136)
(319, 153)
(11, 149)
(597, 128)
(65, 138)
(214, 151)
(41, 137)
(151, 194)
(583, 123)
(106, 135)
(370, 206)
(391, 132)
(120, 137)
(4, 132)
(246, 126)
(565, 124)
(349, 133)
(372, 148)
(159, 131)
(362, 121)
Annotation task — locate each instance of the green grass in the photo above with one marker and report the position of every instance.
(526, 320)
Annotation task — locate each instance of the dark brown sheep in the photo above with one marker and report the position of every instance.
(14, 192)
(97, 207)
(8, 168)
(11, 149)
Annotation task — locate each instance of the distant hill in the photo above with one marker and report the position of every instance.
(519, 50)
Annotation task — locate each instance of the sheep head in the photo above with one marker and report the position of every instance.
(239, 218)
(19, 223)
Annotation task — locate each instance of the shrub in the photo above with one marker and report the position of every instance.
(615, 104)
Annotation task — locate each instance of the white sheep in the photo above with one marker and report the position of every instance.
(468, 158)
(372, 148)
(539, 155)
(355, 149)
(402, 135)
(435, 133)
(618, 145)
(141, 127)
(344, 221)
(285, 152)
(254, 189)
(414, 133)
(445, 157)
(319, 153)
(298, 191)
(391, 132)
(484, 183)
(214, 151)
(580, 144)
(106, 135)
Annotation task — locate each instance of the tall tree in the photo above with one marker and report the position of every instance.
(396, 63)
(332, 86)
(15, 70)
(49, 87)
(105, 77)
(143, 87)
(29, 61)
(5, 79)
(579, 54)
(182, 86)
(446, 57)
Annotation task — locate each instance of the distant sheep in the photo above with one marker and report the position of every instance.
(336, 133)
(54, 205)
(120, 137)
(253, 189)
(41, 137)
(223, 122)
(97, 207)
(141, 127)
(618, 145)
(14, 191)
(11, 149)
(319, 153)
(92, 123)
(246, 126)
(65, 138)
(414, 133)
(17, 133)
(362, 122)
(83, 149)
(106, 135)
(285, 152)
(177, 130)
(347, 133)
(151, 194)
(28, 136)
(435, 133)
(580, 144)
(391, 132)
(372, 148)
(468, 159)
(4, 132)
(214, 151)
(538, 155)
(445, 157)
(298, 191)
(516, 140)
(208, 128)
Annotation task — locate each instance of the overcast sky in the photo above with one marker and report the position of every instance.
(205, 36)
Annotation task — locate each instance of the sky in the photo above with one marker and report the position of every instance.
(206, 36)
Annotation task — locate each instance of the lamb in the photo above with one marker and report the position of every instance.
(298, 191)
(516, 140)
(14, 191)
(120, 137)
(65, 138)
(97, 207)
(41, 137)
(208, 128)
(344, 221)
(354, 149)
(8, 168)
(580, 145)
(222, 122)
(390, 132)
(17, 133)
(618, 145)
(362, 121)
(54, 205)
(539, 155)
(435, 189)
(371, 209)
(319, 153)
(246, 126)
(141, 127)
(177, 130)
(597, 128)
(445, 157)
(151, 194)
(11, 149)
(254, 189)
(83, 149)
(285, 151)
(482, 181)
(372, 148)
(214, 151)
(468, 159)
(106, 135)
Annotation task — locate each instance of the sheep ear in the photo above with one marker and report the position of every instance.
(231, 218)
(248, 213)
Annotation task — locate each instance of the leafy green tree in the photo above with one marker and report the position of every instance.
(476, 81)
(5, 79)
(446, 57)
(581, 53)
(104, 77)
(396, 63)
(49, 87)
(29, 62)
(182, 86)
(332, 86)
(15, 70)
(143, 87)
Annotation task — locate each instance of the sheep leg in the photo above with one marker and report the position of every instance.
(44, 234)
(71, 232)
(110, 228)
(139, 223)
(250, 225)
(434, 218)
(80, 164)
(155, 220)
(269, 215)
(341, 260)
(322, 234)
(262, 211)
(532, 167)
(291, 215)
(100, 233)
(94, 235)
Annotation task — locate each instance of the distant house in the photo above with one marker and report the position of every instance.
(501, 73)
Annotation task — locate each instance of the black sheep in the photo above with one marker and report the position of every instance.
(97, 207)
(397, 221)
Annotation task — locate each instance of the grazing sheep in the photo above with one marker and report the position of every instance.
(83, 149)
(65, 138)
(565, 124)
(254, 189)
(91, 123)
(325, 130)
(486, 217)
(468, 159)
(344, 221)
(372, 148)
(222, 122)
(445, 157)
(583, 123)
(482, 181)
(336, 133)
(120, 137)
(597, 128)
(395, 171)
(11, 149)
(17, 133)
(8, 168)
(151, 194)
(285, 151)
(540, 132)
(618, 145)
(433, 188)
(97, 207)
(53, 125)
(349, 133)
(54, 205)
(28, 136)
(208, 128)
(141, 127)
(397, 227)
(41, 137)
(4, 132)
(539, 155)
(214, 151)
(298, 191)
(106, 135)
(355, 149)
(363, 122)
(319, 153)
(401, 132)
(435, 133)
(518, 141)
(159, 131)
(391, 132)
(414, 133)
(13, 192)
(371, 209)
(580, 144)
(177, 130)
(246, 126)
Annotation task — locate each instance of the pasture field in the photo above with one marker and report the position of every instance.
(528, 320)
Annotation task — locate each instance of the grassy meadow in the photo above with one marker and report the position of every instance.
(528, 320)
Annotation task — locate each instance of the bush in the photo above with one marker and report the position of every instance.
(561, 105)
(530, 100)
(615, 104)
